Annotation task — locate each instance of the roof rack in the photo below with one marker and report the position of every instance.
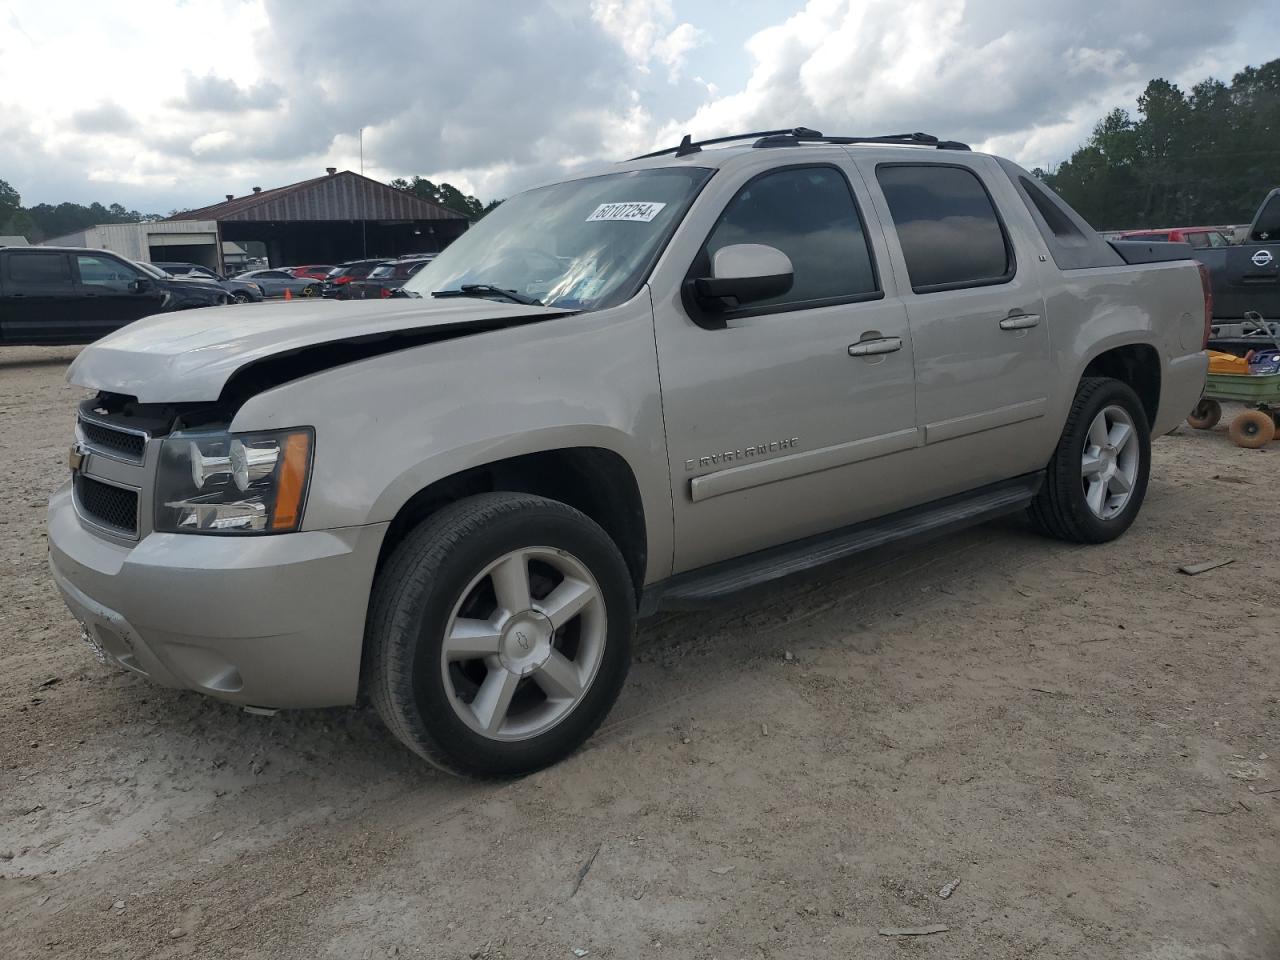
(797, 135)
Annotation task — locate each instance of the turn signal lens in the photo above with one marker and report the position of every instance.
(293, 482)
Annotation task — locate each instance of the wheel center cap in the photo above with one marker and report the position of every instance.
(526, 642)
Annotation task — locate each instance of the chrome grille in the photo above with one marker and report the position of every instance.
(121, 442)
(115, 508)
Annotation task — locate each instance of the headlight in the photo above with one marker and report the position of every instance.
(233, 482)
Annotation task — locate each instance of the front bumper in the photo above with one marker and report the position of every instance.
(272, 621)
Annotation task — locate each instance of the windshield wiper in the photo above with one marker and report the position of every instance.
(488, 290)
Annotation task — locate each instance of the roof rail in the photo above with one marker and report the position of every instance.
(798, 135)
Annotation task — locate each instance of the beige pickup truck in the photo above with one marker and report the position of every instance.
(657, 384)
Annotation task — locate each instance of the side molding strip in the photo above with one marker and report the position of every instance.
(987, 420)
(798, 464)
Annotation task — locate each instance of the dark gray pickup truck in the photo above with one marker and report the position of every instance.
(1245, 278)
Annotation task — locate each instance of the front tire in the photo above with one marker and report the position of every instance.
(499, 634)
(1097, 479)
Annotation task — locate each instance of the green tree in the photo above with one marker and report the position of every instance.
(1203, 157)
(447, 195)
(10, 201)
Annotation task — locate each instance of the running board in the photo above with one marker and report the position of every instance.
(698, 587)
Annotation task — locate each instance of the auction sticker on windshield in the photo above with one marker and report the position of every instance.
(638, 211)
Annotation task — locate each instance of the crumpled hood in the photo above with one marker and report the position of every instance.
(189, 355)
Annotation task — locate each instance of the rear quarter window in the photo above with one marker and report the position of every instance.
(947, 224)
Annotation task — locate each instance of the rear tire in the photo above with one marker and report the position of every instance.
(1096, 481)
(1252, 429)
(487, 672)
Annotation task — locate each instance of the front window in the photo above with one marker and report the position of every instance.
(105, 272)
(581, 245)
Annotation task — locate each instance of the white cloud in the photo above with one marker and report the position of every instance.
(176, 105)
(996, 73)
(647, 31)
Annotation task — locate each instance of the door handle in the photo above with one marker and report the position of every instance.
(869, 348)
(1021, 321)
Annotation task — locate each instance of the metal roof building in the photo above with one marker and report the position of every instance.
(340, 216)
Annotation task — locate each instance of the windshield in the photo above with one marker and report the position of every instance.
(580, 245)
(150, 270)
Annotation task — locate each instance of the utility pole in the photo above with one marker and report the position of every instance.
(364, 237)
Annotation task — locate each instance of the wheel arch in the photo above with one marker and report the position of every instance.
(595, 480)
(1136, 364)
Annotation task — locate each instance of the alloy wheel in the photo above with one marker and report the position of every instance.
(1110, 461)
(523, 643)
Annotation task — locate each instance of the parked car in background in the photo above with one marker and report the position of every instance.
(386, 278)
(241, 291)
(335, 284)
(1196, 236)
(274, 283)
(76, 294)
(1245, 277)
(652, 385)
(316, 271)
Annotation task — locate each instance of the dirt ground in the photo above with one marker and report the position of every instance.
(1088, 740)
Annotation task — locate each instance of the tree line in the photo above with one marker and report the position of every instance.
(445, 194)
(1197, 158)
(47, 220)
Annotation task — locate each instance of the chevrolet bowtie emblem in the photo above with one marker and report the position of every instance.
(76, 457)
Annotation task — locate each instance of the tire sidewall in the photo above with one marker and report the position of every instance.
(1111, 393)
(432, 714)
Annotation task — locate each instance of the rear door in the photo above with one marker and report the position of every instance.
(40, 297)
(111, 294)
(982, 359)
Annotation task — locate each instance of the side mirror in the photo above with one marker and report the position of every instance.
(744, 273)
(141, 285)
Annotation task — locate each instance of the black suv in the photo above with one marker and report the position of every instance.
(76, 295)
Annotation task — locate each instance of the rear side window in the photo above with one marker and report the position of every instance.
(1266, 225)
(1157, 237)
(1059, 224)
(39, 270)
(810, 215)
(950, 232)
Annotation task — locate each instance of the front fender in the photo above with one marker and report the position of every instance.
(388, 426)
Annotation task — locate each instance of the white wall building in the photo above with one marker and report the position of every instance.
(186, 241)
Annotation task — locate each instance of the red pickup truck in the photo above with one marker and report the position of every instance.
(1196, 236)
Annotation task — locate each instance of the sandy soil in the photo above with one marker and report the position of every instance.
(1083, 737)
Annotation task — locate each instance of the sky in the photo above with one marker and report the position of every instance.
(171, 104)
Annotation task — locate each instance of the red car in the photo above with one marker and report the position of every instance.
(312, 272)
(1196, 236)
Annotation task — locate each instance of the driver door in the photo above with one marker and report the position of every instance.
(776, 429)
(112, 294)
